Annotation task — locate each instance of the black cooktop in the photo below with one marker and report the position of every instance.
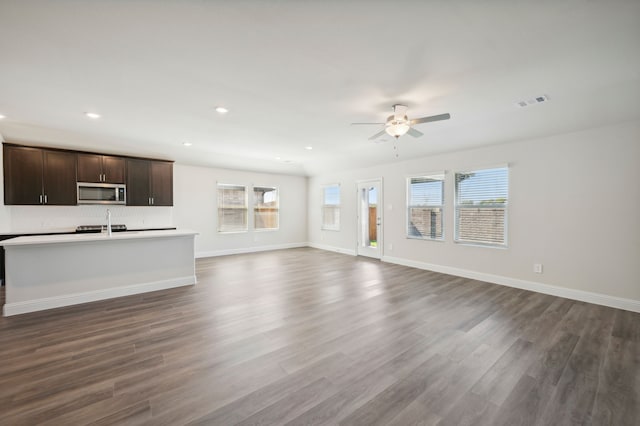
(84, 229)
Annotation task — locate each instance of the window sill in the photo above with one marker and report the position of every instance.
(438, 240)
(473, 244)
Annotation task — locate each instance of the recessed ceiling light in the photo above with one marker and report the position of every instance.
(221, 110)
(187, 143)
(92, 115)
(278, 158)
(309, 148)
(2, 116)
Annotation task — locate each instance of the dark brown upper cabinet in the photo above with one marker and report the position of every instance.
(97, 168)
(149, 183)
(34, 176)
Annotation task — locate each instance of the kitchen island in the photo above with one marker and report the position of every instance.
(50, 271)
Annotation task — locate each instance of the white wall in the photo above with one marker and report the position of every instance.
(574, 207)
(195, 208)
(66, 218)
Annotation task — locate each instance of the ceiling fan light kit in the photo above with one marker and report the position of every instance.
(399, 124)
(397, 127)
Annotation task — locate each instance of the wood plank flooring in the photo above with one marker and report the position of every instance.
(308, 337)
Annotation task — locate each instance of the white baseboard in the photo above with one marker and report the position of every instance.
(568, 293)
(331, 248)
(243, 250)
(92, 296)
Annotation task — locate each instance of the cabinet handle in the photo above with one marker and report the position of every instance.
(45, 199)
(153, 201)
(149, 200)
(40, 198)
(104, 177)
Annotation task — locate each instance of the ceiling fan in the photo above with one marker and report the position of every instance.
(399, 124)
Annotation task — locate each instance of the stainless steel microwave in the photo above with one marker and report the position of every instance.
(101, 193)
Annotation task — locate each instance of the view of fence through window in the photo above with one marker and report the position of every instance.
(232, 208)
(331, 207)
(424, 207)
(265, 208)
(481, 206)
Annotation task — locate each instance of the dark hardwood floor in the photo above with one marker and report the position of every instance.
(308, 337)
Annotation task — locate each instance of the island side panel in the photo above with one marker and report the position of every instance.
(45, 276)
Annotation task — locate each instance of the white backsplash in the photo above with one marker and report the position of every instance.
(54, 218)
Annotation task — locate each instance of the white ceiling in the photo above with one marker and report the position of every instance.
(297, 73)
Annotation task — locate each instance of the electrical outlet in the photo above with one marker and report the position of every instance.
(537, 268)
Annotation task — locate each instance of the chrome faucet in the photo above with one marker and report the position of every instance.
(108, 222)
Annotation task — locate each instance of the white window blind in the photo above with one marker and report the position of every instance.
(331, 207)
(424, 207)
(265, 208)
(481, 206)
(232, 208)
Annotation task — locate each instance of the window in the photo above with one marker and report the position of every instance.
(265, 208)
(232, 208)
(424, 206)
(481, 206)
(331, 207)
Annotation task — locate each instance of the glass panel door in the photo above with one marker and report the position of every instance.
(370, 219)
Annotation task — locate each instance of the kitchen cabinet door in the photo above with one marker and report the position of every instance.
(138, 184)
(113, 169)
(22, 175)
(90, 168)
(59, 178)
(161, 183)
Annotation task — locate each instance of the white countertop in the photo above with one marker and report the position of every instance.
(91, 237)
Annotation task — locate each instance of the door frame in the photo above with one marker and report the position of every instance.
(367, 251)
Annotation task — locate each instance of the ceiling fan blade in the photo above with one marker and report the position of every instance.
(359, 124)
(430, 119)
(415, 133)
(377, 135)
(399, 111)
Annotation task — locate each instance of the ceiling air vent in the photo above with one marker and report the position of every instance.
(533, 101)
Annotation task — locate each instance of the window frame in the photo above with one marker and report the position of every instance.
(505, 206)
(338, 206)
(440, 176)
(277, 209)
(246, 208)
